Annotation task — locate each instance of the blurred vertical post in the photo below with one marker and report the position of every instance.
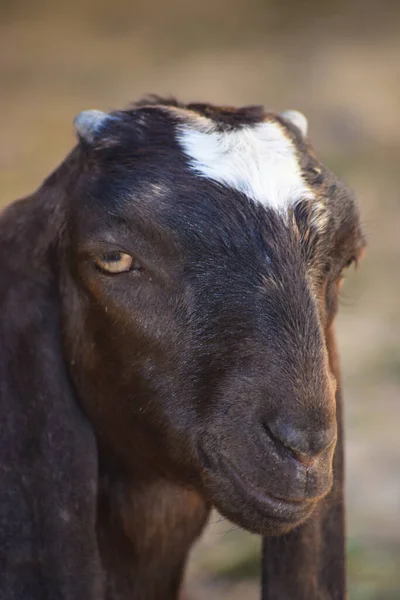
(309, 562)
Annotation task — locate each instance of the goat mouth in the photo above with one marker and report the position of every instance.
(250, 505)
(281, 507)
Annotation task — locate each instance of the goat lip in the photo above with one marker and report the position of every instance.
(280, 510)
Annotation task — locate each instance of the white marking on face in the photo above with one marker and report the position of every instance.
(259, 160)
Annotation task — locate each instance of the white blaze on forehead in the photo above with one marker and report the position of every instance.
(257, 160)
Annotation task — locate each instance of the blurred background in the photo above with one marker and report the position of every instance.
(339, 63)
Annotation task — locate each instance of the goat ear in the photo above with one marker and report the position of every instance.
(297, 119)
(48, 458)
(309, 562)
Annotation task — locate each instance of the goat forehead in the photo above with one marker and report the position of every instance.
(257, 160)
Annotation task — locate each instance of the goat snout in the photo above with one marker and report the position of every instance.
(304, 444)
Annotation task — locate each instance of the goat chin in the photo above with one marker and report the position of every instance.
(263, 520)
(253, 507)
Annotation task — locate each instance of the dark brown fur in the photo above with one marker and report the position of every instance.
(132, 403)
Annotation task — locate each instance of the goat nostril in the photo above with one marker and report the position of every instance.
(304, 446)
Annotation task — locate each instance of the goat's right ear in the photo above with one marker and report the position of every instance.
(48, 456)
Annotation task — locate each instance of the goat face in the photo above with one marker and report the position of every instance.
(205, 248)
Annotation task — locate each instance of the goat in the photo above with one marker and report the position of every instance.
(167, 300)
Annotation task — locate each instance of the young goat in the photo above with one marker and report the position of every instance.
(167, 298)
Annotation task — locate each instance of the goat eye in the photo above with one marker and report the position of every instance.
(115, 262)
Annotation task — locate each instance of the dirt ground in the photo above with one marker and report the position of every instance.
(337, 62)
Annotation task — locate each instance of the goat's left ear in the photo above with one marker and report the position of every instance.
(297, 119)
